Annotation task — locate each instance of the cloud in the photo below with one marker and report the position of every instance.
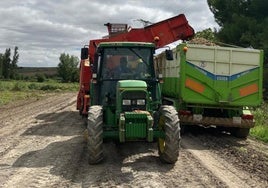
(44, 29)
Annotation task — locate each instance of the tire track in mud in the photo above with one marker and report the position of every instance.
(28, 116)
(45, 147)
(141, 167)
(20, 106)
(17, 117)
(221, 169)
(230, 159)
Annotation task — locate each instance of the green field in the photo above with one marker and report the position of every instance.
(21, 90)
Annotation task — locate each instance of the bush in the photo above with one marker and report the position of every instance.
(261, 115)
(40, 77)
(33, 86)
(2, 87)
(19, 86)
(260, 131)
(48, 87)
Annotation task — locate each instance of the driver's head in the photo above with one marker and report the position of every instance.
(123, 61)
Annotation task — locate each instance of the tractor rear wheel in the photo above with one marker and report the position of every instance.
(95, 131)
(168, 147)
(240, 132)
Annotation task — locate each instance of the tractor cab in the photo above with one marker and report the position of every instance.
(129, 63)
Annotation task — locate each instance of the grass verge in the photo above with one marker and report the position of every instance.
(260, 131)
(11, 91)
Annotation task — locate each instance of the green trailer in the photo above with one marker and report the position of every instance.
(213, 85)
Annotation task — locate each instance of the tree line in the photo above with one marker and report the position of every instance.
(8, 66)
(67, 69)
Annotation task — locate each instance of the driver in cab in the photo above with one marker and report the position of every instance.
(123, 68)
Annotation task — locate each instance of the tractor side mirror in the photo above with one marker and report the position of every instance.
(84, 53)
(169, 55)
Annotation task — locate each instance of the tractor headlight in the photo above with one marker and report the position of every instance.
(140, 102)
(126, 102)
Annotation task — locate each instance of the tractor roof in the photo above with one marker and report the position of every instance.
(127, 44)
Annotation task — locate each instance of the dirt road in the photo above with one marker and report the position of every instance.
(42, 145)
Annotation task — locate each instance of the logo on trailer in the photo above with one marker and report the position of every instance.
(203, 64)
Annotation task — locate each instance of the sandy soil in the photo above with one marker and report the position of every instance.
(42, 145)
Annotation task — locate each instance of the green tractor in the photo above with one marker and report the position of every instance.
(125, 101)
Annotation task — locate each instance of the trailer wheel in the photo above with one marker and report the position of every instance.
(95, 131)
(240, 132)
(168, 148)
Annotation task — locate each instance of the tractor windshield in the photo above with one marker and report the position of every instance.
(122, 63)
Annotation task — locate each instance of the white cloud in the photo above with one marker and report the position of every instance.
(44, 29)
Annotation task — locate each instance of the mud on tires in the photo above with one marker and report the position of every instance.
(95, 131)
(168, 148)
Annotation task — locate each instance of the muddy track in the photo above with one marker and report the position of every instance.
(42, 145)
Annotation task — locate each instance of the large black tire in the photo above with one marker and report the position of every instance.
(95, 134)
(168, 148)
(240, 132)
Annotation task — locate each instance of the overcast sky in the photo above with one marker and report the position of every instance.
(43, 29)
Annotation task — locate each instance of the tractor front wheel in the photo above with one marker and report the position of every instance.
(95, 131)
(168, 147)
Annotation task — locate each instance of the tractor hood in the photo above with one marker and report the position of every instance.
(129, 84)
(131, 95)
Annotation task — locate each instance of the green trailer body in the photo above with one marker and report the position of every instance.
(212, 85)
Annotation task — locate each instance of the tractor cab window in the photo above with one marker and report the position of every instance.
(123, 63)
(127, 63)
